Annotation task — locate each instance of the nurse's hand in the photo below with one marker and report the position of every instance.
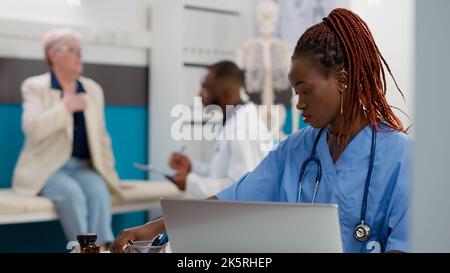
(140, 233)
(180, 163)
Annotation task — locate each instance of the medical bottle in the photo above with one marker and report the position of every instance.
(88, 243)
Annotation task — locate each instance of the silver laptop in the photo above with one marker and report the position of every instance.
(231, 226)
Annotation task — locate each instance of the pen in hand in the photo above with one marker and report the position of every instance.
(164, 239)
(150, 168)
(182, 149)
(160, 240)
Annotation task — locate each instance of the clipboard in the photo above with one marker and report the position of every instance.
(150, 169)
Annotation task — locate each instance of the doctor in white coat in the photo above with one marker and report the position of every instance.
(240, 144)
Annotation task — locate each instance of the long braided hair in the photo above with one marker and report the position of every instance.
(343, 41)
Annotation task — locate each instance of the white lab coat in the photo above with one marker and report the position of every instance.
(240, 145)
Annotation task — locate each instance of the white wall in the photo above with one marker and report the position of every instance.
(113, 31)
(430, 201)
(298, 16)
(392, 25)
(115, 14)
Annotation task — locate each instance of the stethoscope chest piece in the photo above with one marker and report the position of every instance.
(362, 232)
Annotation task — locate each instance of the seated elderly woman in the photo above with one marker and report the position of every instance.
(67, 156)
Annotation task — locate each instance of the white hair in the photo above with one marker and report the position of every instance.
(265, 5)
(56, 38)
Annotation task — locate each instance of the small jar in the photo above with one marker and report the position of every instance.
(88, 243)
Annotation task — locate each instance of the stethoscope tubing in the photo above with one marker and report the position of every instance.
(313, 158)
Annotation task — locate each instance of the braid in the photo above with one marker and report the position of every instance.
(344, 41)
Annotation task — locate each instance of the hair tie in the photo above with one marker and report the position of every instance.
(328, 23)
(331, 27)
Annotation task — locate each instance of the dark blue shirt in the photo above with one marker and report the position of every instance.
(80, 142)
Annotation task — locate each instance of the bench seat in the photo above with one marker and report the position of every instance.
(138, 196)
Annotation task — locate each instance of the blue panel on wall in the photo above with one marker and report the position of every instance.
(128, 129)
(11, 141)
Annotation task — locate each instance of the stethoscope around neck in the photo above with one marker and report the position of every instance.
(362, 231)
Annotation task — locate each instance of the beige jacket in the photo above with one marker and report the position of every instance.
(48, 128)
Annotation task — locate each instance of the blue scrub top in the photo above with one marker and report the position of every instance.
(276, 179)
